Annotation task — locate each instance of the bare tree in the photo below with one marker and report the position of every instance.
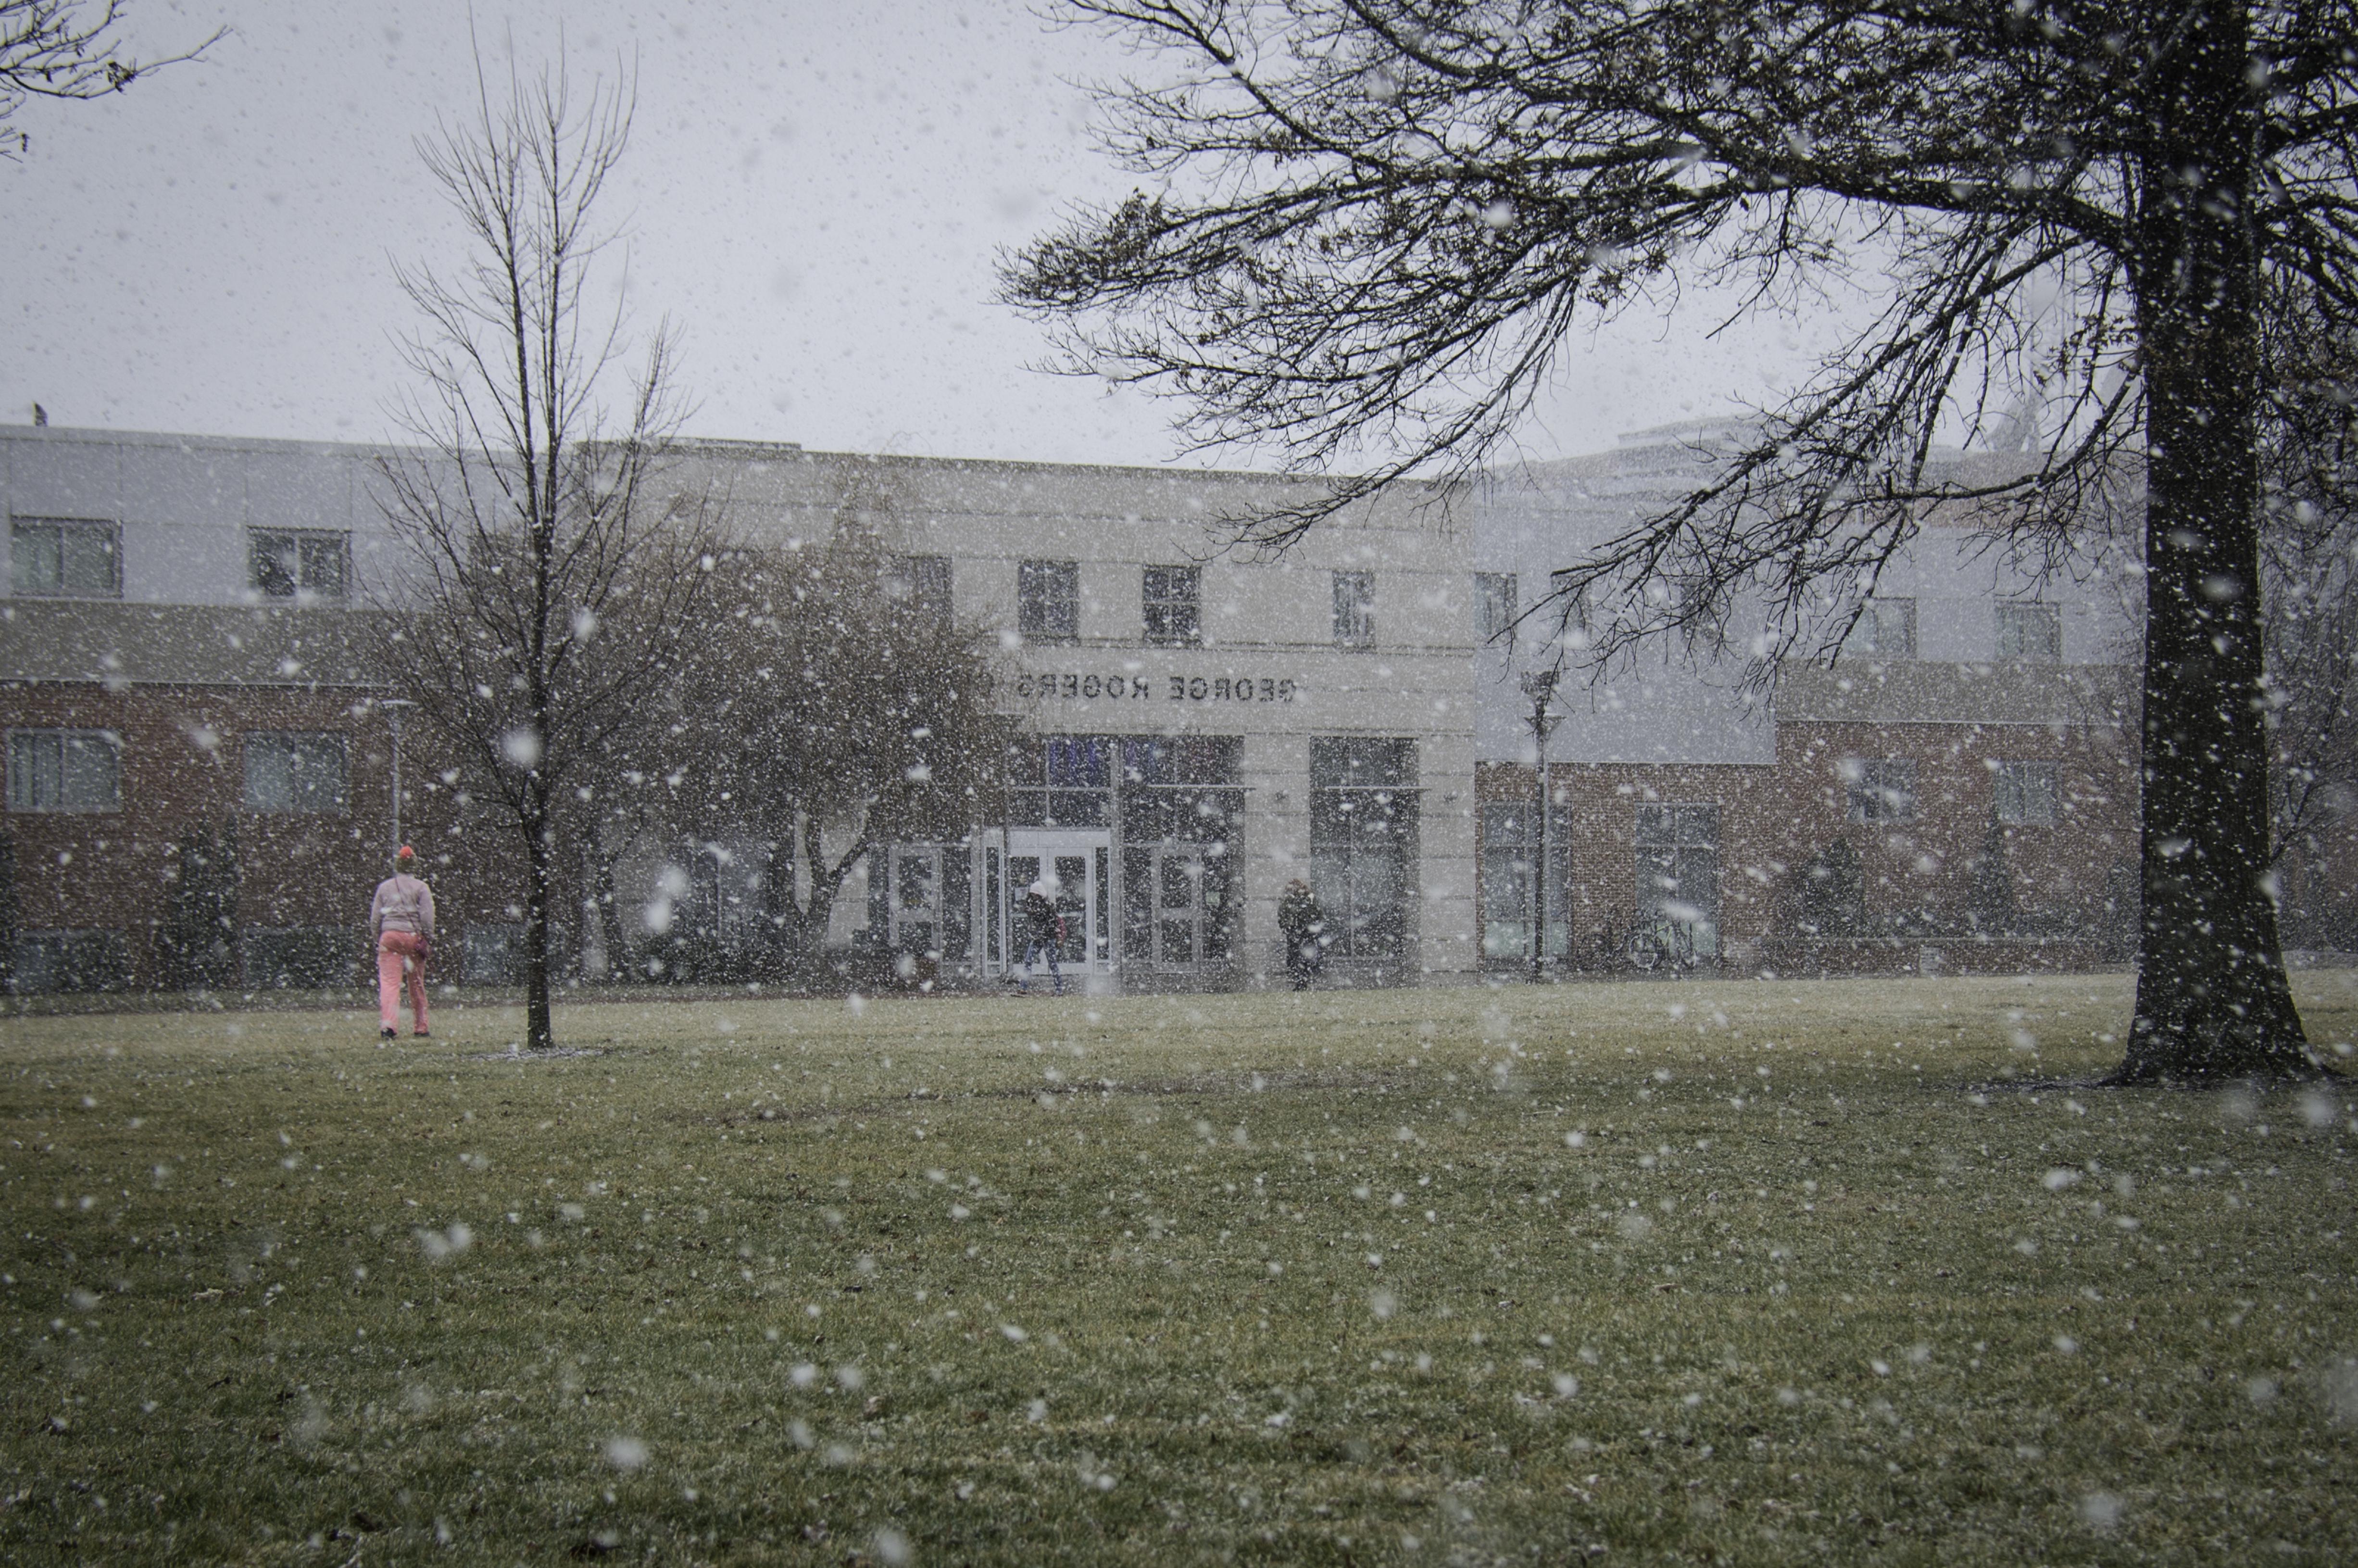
(848, 713)
(552, 579)
(2309, 564)
(59, 48)
(1376, 223)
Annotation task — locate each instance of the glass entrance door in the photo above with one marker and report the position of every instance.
(1077, 869)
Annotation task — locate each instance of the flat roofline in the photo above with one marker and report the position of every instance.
(688, 446)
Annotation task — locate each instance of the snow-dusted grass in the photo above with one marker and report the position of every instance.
(1747, 1272)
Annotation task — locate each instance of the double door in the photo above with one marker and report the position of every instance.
(1078, 867)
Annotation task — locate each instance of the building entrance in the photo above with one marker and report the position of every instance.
(1077, 866)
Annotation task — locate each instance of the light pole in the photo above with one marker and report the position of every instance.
(1540, 686)
(392, 706)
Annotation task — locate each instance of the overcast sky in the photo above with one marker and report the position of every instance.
(814, 195)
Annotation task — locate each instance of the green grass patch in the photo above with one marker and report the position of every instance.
(1746, 1271)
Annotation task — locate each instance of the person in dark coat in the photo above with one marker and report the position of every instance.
(1302, 927)
(1042, 933)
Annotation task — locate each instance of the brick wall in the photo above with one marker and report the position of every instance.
(1775, 818)
(183, 769)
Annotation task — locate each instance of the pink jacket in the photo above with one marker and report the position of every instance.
(401, 903)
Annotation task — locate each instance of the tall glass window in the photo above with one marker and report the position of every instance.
(2025, 794)
(1173, 600)
(1363, 842)
(1510, 852)
(1678, 875)
(1048, 601)
(1182, 817)
(1494, 604)
(1355, 608)
(923, 583)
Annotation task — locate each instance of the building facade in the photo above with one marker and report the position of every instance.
(1957, 790)
(201, 760)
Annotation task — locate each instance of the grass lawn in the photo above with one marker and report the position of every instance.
(1738, 1273)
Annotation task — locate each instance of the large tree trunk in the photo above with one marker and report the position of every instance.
(2212, 999)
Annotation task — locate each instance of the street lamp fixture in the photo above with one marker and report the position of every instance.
(392, 706)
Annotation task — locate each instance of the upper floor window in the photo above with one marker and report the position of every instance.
(1886, 629)
(64, 770)
(310, 563)
(2029, 631)
(1355, 608)
(2025, 794)
(923, 583)
(1494, 604)
(1881, 790)
(1175, 610)
(59, 558)
(1048, 601)
(299, 773)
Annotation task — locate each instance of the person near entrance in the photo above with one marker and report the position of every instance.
(1302, 925)
(401, 917)
(1043, 931)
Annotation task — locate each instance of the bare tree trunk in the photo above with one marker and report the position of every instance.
(2212, 999)
(539, 853)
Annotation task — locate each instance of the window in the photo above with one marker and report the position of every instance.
(2025, 794)
(301, 958)
(1048, 601)
(1175, 613)
(1886, 629)
(71, 961)
(307, 563)
(1060, 781)
(1508, 852)
(1677, 874)
(301, 774)
(1494, 605)
(1181, 816)
(1570, 601)
(2029, 633)
(53, 559)
(923, 583)
(1883, 791)
(64, 771)
(1363, 837)
(1355, 608)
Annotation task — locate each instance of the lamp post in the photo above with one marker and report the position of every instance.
(1540, 686)
(392, 706)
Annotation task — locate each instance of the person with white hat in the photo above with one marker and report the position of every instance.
(1043, 932)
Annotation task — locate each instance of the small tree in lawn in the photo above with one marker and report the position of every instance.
(550, 576)
(1376, 225)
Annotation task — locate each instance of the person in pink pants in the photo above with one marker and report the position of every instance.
(402, 918)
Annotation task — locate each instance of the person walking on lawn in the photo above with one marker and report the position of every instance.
(401, 917)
